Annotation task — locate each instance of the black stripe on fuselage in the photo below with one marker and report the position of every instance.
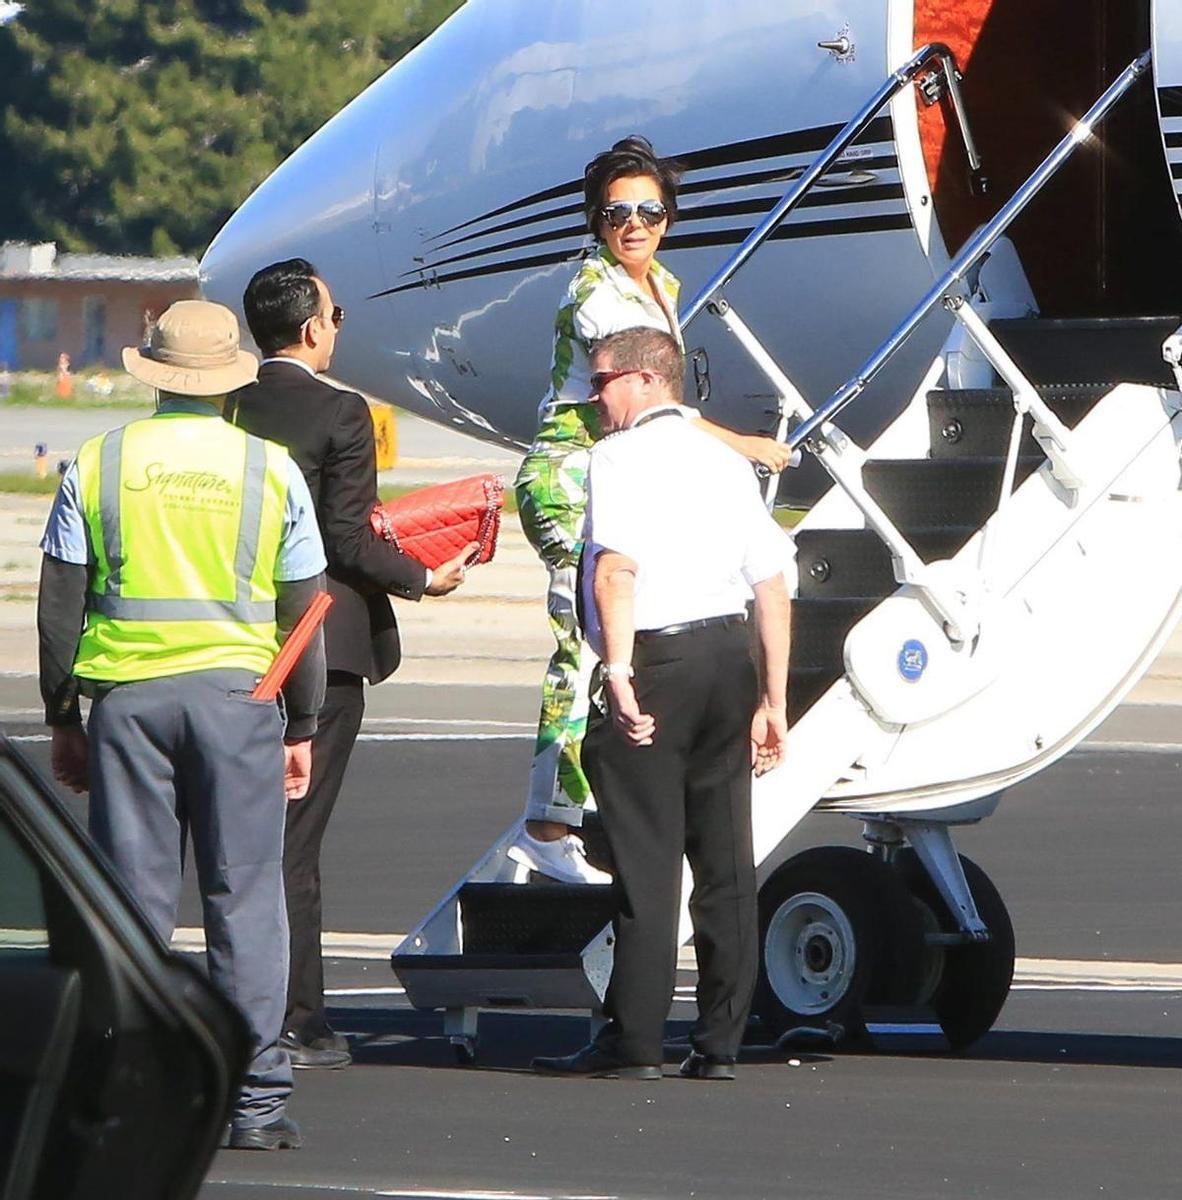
(723, 183)
(1170, 99)
(888, 222)
(1174, 140)
(801, 141)
(863, 194)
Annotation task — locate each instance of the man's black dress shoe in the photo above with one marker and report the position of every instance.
(281, 1134)
(326, 1039)
(308, 1055)
(594, 1063)
(707, 1066)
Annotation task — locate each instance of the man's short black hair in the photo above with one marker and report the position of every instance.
(277, 302)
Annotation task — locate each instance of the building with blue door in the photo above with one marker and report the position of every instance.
(87, 306)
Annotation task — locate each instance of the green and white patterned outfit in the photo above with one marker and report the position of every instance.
(551, 496)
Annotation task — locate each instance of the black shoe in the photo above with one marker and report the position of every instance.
(707, 1066)
(327, 1039)
(306, 1056)
(592, 1062)
(281, 1134)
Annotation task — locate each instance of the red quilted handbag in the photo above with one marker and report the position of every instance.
(434, 524)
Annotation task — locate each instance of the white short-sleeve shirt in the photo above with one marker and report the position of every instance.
(688, 511)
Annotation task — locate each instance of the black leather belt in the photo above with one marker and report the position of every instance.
(724, 622)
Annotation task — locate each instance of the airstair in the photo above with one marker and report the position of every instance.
(977, 591)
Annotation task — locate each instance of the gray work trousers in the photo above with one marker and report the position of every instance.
(194, 755)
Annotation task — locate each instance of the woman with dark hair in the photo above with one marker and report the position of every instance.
(630, 201)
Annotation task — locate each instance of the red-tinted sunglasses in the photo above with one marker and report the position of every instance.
(601, 379)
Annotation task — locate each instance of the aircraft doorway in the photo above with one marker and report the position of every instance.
(1104, 238)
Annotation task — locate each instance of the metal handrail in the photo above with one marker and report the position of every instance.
(857, 124)
(974, 249)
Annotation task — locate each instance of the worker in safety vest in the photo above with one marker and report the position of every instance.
(178, 554)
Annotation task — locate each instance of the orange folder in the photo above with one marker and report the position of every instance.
(272, 683)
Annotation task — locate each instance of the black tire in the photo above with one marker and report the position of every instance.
(966, 985)
(837, 930)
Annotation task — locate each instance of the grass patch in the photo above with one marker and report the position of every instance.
(27, 484)
(93, 388)
(789, 518)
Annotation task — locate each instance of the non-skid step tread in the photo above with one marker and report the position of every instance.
(934, 492)
(819, 628)
(977, 422)
(856, 562)
(1089, 350)
(550, 918)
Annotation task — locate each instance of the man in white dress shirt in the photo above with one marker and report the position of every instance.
(677, 542)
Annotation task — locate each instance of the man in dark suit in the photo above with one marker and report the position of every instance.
(329, 433)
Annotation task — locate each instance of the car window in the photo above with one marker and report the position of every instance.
(23, 924)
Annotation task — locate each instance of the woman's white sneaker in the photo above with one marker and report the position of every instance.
(562, 859)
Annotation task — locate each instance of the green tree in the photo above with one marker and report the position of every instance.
(138, 126)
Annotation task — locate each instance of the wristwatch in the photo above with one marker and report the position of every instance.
(618, 669)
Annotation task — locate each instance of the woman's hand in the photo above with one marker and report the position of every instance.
(766, 451)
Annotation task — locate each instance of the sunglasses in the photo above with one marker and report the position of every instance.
(619, 212)
(337, 317)
(601, 379)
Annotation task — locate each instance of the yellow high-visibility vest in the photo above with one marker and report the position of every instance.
(185, 516)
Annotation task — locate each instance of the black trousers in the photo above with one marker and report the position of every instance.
(689, 792)
(307, 819)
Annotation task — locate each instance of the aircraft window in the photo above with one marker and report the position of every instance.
(23, 925)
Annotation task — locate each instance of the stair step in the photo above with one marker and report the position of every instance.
(856, 562)
(549, 918)
(1101, 350)
(941, 492)
(806, 685)
(976, 423)
(819, 628)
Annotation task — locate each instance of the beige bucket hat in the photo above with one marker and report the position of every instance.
(193, 351)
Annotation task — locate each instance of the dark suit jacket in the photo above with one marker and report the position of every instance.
(330, 435)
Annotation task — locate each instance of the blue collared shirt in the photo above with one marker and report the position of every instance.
(301, 552)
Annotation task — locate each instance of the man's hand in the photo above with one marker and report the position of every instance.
(769, 731)
(766, 452)
(636, 726)
(449, 575)
(297, 769)
(69, 757)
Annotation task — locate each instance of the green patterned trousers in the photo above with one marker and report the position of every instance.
(551, 498)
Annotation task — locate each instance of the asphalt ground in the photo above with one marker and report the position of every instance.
(1076, 1092)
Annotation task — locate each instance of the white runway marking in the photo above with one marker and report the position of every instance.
(366, 991)
(405, 1193)
(445, 737)
(462, 722)
(1030, 974)
(1134, 747)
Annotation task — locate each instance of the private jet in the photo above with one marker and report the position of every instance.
(935, 243)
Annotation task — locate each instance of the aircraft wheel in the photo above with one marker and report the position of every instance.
(965, 985)
(838, 929)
